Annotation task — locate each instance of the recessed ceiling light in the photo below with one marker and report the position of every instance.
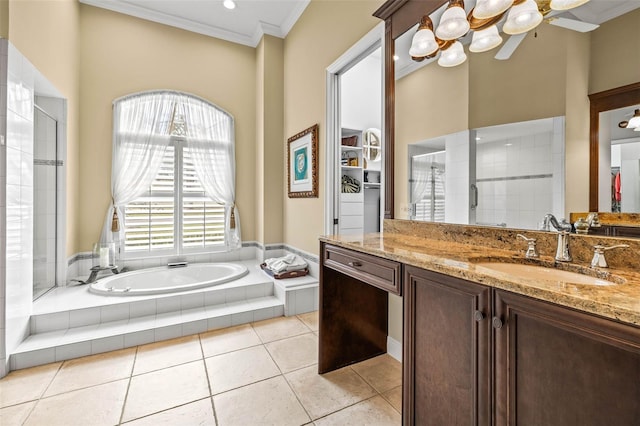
(229, 4)
(396, 57)
(478, 138)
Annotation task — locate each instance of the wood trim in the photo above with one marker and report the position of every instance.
(399, 16)
(604, 101)
(389, 121)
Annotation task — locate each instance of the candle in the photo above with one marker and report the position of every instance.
(104, 257)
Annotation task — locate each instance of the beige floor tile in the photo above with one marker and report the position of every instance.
(394, 396)
(372, 412)
(323, 394)
(26, 385)
(294, 352)
(270, 402)
(16, 414)
(168, 353)
(228, 340)
(310, 319)
(163, 389)
(199, 413)
(95, 406)
(92, 370)
(279, 328)
(382, 372)
(234, 369)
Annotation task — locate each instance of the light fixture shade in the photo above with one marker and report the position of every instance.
(424, 41)
(522, 18)
(634, 122)
(453, 56)
(453, 23)
(486, 39)
(566, 4)
(489, 8)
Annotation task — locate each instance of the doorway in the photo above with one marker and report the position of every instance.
(355, 148)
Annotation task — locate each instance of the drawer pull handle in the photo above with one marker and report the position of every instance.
(479, 316)
(355, 264)
(497, 323)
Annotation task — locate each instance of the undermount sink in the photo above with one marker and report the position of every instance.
(537, 272)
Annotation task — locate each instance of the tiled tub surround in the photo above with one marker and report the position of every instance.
(454, 249)
(70, 322)
(79, 265)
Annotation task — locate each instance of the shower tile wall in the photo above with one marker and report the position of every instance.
(457, 166)
(45, 165)
(517, 180)
(17, 257)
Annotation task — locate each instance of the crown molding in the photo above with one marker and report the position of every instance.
(208, 30)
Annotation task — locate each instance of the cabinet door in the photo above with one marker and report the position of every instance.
(446, 350)
(556, 366)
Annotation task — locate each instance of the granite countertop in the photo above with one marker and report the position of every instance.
(620, 302)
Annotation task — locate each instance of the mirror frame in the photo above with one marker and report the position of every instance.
(619, 97)
(399, 16)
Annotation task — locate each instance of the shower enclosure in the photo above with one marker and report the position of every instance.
(427, 187)
(45, 166)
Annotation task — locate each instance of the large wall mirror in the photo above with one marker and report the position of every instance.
(615, 150)
(545, 80)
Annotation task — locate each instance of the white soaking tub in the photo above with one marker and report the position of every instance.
(168, 280)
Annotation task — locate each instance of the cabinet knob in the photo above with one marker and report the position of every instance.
(497, 323)
(478, 315)
(355, 264)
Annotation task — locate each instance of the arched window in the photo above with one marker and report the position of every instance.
(173, 176)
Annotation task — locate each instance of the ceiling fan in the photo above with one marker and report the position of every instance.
(550, 17)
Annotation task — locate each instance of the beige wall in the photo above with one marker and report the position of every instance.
(527, 86)
(269, 140)
(326, 29)
(430, 102)
(47, 33)
(4, 19)
(615, 60)
(122, 55)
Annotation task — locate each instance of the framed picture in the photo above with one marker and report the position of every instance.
(302, 164)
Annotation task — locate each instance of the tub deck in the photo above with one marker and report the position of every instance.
(70, 322)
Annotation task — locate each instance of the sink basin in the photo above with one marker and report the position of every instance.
(536, 272)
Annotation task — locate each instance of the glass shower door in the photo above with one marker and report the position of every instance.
(45, 167)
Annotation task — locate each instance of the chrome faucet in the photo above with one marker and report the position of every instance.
(564, 230)
(599, 260)
(532, 251)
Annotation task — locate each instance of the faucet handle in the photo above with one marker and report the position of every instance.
(532, 251)
(598, 255)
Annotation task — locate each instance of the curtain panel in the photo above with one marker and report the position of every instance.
(142, 131)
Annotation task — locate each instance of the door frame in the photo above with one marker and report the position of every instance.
(372, 40)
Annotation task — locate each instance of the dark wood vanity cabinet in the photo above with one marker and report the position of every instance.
(475, 355)
(447, 353)
(557, 366)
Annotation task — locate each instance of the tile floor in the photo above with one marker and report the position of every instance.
(263, 373)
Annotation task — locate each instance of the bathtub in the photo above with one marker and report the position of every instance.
(168, 280)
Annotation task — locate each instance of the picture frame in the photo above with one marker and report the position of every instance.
(302, 164)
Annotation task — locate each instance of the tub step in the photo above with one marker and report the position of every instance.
(59, 345)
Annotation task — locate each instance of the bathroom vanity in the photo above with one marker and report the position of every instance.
(483, 347)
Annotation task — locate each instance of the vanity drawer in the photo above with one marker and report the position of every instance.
(381, 273)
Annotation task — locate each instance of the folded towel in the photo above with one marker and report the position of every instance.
(290, 262)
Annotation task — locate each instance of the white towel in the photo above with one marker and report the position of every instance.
(290, 262)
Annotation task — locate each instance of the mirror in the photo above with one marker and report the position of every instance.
(550, 74)
(515, 175)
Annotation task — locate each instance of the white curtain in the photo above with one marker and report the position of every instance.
(210, 139)
(141, 136)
